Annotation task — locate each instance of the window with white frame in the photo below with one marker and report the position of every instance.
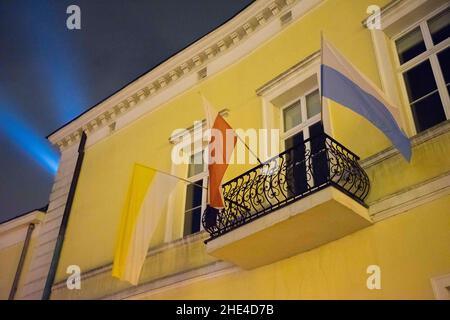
(303, 135)
(423, 56)
(301, 119)
(195, 194)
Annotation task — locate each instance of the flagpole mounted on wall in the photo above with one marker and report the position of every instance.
(209, 125)
(248, 148)
(216, 200)
(179, 178)
(321, 81)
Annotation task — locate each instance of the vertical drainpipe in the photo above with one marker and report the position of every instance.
(62, 229)
(23, 255)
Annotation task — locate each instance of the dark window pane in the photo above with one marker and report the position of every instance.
(419, 81)
(293, 141)
(440, 26)
(318, 154)
(194, 195)
(444, 61)
(316, 130)
(428, 112)
(192, 221)
(295, 165)
(410, 45)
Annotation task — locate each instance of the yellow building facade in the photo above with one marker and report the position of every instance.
(18, 237)
(381, 232)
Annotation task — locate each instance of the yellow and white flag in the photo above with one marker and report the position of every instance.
(146, 199)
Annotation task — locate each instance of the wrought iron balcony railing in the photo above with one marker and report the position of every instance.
(317, 163)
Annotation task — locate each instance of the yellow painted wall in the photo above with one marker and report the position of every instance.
(430, 159)
(427, 217)
(186, 254)
(106, 170)
(9, 259)
(333, 271)
(410, 249)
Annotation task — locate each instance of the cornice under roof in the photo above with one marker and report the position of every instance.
(188, 60)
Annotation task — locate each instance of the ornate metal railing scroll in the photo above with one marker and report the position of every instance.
(295, 173)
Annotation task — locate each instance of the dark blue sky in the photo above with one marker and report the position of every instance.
(49, 74)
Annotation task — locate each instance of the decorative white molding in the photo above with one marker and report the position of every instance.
(410, 198)
(35, 276)
(34, 216)
(15, 230)
(199, 236)
(396, 10)
(219, 42)
(208, 272)
(269, 87)
(177, 138)
(180, 279)
(301, 72)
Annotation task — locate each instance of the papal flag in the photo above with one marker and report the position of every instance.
(144, 205)
(346, 85)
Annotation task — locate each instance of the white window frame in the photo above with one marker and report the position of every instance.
(304, 124)
(397, 18)
(197, 145)
(305, 69)
(431, 55)
(200, 176)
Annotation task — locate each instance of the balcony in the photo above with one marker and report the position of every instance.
(306, 196)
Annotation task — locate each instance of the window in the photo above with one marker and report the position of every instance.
(440, 26)
(195, 194)
(299, 117)
(303, 135)
(292, 116)
(423, 56)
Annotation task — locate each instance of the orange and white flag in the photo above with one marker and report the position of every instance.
(220, 151)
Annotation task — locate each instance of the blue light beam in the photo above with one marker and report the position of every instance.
(57, 56)
(29, 141)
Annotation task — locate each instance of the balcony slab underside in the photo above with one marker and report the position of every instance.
(308, 223)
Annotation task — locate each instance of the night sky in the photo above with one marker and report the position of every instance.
(49, 74)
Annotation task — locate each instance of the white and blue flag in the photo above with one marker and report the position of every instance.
(344, 84)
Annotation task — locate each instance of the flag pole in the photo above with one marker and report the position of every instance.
(248, 148)
(195, 184)
(321, 77)
(177, 177)
(237, 136)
